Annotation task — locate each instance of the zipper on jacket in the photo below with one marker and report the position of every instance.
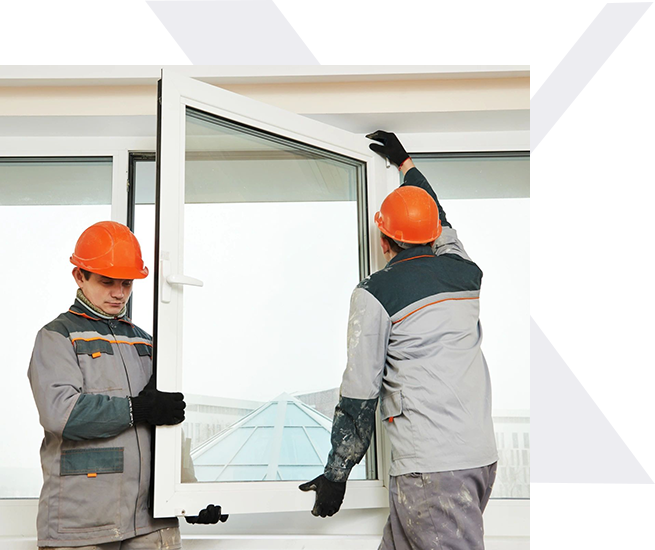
(136, 433)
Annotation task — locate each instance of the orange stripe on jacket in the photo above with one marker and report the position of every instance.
(110, 341)
(83, 315)
(431, 304)
(415, 257)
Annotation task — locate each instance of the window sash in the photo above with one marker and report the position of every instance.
(171, 497)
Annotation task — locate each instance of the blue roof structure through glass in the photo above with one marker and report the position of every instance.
(284, 439)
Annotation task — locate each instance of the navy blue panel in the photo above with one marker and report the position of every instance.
(417, 273)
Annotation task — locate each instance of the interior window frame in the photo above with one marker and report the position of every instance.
(17, 152)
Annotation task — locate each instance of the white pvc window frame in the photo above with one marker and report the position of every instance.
(171, 496)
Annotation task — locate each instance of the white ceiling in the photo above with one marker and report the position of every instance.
(139, 75)
(144, 125)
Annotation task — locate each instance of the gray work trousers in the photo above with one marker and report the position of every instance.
(163, 539)
(438, 511)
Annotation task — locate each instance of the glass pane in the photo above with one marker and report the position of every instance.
(271, 228)
(53, 182)
(495, 233)
(44, 207)
(465, 176)
(144, 181)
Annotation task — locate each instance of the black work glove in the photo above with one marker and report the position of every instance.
(157, 407)
(329, 495)
(211, 514)
(390, 148)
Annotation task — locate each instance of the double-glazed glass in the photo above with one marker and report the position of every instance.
(272, 229)
(45, 204)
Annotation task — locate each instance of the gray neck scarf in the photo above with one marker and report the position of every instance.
(85, 301)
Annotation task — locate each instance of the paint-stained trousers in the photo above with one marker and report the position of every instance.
(163, 539)
(438, 511)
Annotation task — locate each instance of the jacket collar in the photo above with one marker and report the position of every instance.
(80, 308)
(410, 254)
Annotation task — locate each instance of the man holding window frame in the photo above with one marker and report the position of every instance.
(414, 340)
(91, 376)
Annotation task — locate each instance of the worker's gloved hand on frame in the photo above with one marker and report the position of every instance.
(157, 407)
(207, 516)
(329, 495)
(391, 147)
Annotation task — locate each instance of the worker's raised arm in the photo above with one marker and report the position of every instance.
(389, 146)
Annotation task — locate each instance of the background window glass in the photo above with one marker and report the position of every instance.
(486, 199)
(143, 183)
(45, 204)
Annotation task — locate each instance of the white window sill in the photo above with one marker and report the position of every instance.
(262, 542)
(507, 527)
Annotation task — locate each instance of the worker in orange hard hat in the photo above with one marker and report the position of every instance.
(414, 342)
(110, 249)
(409, 215)
(107, 257)
(91, 376)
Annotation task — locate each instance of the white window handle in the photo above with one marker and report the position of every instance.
(183, 280)
(167, 281)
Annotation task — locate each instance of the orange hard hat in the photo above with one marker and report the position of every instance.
(110, 249)
(409, 215)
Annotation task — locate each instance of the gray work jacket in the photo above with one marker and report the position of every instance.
(96, 466)
(414, 343)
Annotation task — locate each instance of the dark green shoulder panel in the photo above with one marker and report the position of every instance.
(73, 321)
(401, 284)
(67, 323)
